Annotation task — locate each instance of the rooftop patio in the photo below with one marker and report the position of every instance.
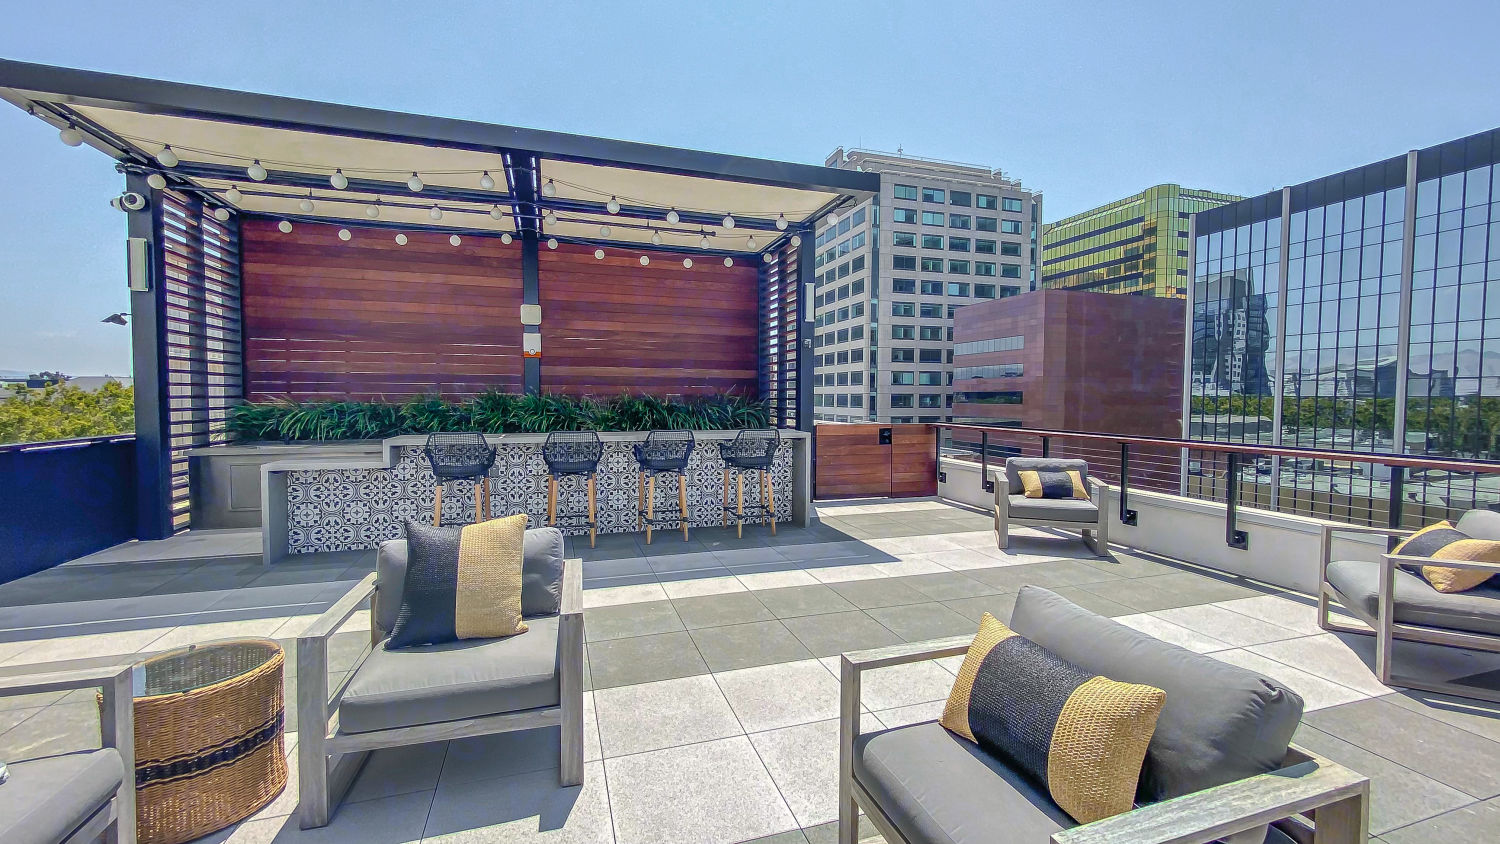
(712, 697)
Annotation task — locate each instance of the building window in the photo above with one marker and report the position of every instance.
(906, 192)
(857, 287)
(1011, 249)
(903, 285)
(903, 379)
(932, 241)
(930, 332)
(984, 268)
(959, 198)
(857, 264)
(856, 377)
(843, 380)
(933, 195)
(844, 292)
(959, 221)
(1011, 204)
(903, 215)
(932, 265)
(994, 370)
(843, 357)
(930, 400)
(844, 270)
(996, 344)
(901, 400)
(987, 224)
(933, 218)
(989, 397)
(902, 355)
(844, 225)
(855, 356)
(958, 288)
(857, 218)
(985, 247)
(903, 239)
(857, 241)
(843, 399)
(958, 244)
(903, 262)
(1010, 270)
(953, 309)
(930, 311)
(1010, 226)
(1009, 291)
(903, 332)
(986, 201)
(929, 379)
(984, 291)
(903, 309)
(932, 288)
(855, 399)
(843, 313)
(858, 309)
(930, 355)
(958, 267)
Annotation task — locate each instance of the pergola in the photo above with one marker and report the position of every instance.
(245, 196)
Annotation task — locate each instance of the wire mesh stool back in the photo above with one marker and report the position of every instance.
(752, 450)
(575, 453)
(663, 453)
(460, 457)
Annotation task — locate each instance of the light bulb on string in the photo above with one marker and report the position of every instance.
(687, 263)
(604, 231)
(306, 204)
(487, 181)
(255, 171)
(728, 221)
(401, 239)
(221, 214)
(338, 179)
(167, 158)
(506, 238)
(285, 226)
(414, 184)
(612, 206)
(436, 213)
(233, 195)
(645, 259)
(373, 211)
(70, 135)
(750, 244)
(767, 257)
(549, 189)
(551, 243)
(796, 240)
(673, 216)
(345, 235)
(703, 241)
(550, 219)
(831, 219)
(599, 254)
(455, 239)
(781, 222)
(655, 237)
(157, 181)
(496, 213)
(728, 262)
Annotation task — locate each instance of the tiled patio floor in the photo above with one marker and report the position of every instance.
(712, 699)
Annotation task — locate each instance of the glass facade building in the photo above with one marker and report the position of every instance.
(1359, 312)
(1137, 245)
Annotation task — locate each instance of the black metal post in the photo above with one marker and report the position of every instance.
(806, 272)
(1127, 515)
(1233, 537)
(984, 461)
(937, 453)
(1394, 501)
(148, 346)
(1045, 443)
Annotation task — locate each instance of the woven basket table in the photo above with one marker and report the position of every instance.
(208, 737)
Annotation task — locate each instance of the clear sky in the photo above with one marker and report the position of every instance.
(1087, 102)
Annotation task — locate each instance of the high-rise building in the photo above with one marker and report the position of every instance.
(1137, 245)
(892, 272)
(1357, 312)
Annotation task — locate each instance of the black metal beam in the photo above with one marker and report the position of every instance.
(1233, 536)
(148, 360)
(805, 273)
(316, 181)
(1127, 515)
(1395, 499)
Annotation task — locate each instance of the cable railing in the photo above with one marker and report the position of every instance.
(1397, 490)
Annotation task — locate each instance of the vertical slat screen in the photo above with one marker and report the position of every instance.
(779, 312)
(203, 352)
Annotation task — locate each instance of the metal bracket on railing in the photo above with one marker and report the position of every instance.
(937, 451)
(1127, 515)
(1046, 441)
(984, 461)
(1233, 537)
(1394, 500)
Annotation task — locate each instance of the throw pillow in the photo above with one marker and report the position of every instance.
(1080, 735)
(1443, 541)
(1067, 484)
(461, 583)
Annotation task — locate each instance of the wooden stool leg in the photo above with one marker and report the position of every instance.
(640, 497)
(478, 502)
(593, 517)
(682, 504)
(551, 499)
(437, 505)
(486, 482)
(723, 513)
(739, 505)
(650, 504)
(771, 500)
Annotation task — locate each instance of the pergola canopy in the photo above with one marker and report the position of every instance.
(554, 184)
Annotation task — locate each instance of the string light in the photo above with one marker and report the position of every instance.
(767, 256)
(306, 204)
(285, 226)
(497, 214)
(506, 238)
(645, 259)
(414, 184)
(796, 240)
(345, 235)
(234, 195)
(455, 239)
(781, 222)
(157, 181)
(612, 206)
(70, 136)
(728, 262)
(604, 231)
(551, 243)
(255, 171)
(167, 158)
(373, 211)
(436, 213)
(673, 216)
(487, 181)
(549, 189)
(687, 263)
(703, 241)
(728, 221)
(831, 219)
(400, 239)
(221, 214)
(550, 219)
(599, 254)
(656, 237)
(750, 244)
(338, 179)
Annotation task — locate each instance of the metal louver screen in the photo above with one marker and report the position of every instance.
(779, 312)
(203, 352)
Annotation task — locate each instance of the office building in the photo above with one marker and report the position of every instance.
(893, 271)
(1356, 312)
(1067, 361)
(1137, 245)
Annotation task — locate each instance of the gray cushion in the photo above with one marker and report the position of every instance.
(937, 788)
(1015, 465)
(1220, 723)
(46, 800)
(454, 680)
(1416, 602)
(541, 576)
(1054, 509)
(1480, 524)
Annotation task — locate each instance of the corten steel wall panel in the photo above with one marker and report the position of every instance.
(613, 325)
(851, 462)
(370, 319)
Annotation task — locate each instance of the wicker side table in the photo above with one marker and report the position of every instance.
(209, 743)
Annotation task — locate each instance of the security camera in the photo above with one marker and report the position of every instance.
(129, 201)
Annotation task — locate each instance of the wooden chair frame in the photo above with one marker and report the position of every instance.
(328, 760)
(1095, 534)
(1387, 630)
(115, 821)
(1336, 798)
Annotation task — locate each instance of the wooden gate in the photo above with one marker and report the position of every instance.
(873, 460)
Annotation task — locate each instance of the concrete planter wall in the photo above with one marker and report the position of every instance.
(224, 480)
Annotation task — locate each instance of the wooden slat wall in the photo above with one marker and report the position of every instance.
(852, 463)
(913, 461)
(369, 319)
(613, 325)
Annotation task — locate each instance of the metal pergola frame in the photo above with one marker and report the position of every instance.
(54, 94)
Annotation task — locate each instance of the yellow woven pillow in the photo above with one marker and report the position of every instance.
(1082, 735)
(1067, 484)
(1443, 541)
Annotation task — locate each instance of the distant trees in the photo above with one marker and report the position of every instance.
(60, 412)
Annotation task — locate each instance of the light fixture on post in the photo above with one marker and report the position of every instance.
(781, 222)
(221, 214)
(414, 184)
(728, 221)
(435, 213)
(285, 226)
(306, 204)
(549, 189)
(831, 219)
(256, 172)
(655, 237)
(167, 158)
(338, 179)
(401, 239)
(233, 195)
(728, 262)
(70, 135)
(551, 243)
(687, 263)
(455, 239)
(117, 318)
(612, 206)
(673, 217)
(487, 181)
(157, 181)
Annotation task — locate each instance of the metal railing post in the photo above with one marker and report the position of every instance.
(1127, 515)
(1394, 501)
(984, 461)
(1233, 537)
(937, 453)
(1045, 443)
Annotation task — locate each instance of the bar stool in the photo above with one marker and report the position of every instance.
(460, 457)
(750, 451)
(663, 453)
(576, 454)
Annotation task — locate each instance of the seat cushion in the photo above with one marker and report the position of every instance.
(1480, 524)
(937, 788)
(1416, 602)
(454, 680)
(1053, 509)
(541, 576)
(1220, 723)
(45, 800)
(1014, 466)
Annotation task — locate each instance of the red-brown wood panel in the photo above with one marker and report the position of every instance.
(913, 461)
(370, 319)
(613, 325)
(851, 462)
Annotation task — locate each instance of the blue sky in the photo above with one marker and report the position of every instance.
(1085, 101)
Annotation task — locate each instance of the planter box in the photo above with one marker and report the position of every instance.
(224, 480)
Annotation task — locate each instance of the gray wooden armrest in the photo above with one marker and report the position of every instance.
(1097, 484)
(1407, 560)
(909, 652)
(334, 617)
(61, 678)
(1211, 814)
(572, 587)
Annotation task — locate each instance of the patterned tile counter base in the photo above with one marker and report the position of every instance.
(338, 505)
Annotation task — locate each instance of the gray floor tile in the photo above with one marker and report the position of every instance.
(878, 592)
(769, 697)
(399, 770)
(804, 762)
(948, 586)
(1476, 716)
(919, 622)
(522, 808)
(618, 622)
(501, 755)
(720, 610)
(831, 634)
(1000, 606)
(1474, 822)
(794, 836)
(1145, 594)
(1445, 753)
(684, 562)
(748, 645)
(1398, 795)
(680, 711)
(795, 601)
(643, 659)
(744, 556)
